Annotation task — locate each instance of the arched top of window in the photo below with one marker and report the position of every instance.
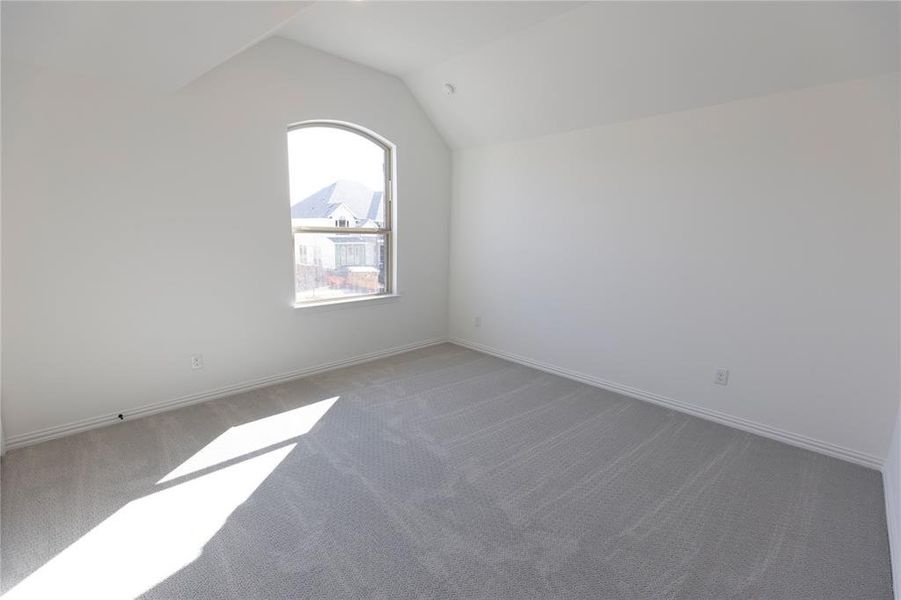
(348, 127)
(341, 178)
(333, 164)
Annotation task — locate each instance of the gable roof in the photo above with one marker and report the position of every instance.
(356, 197)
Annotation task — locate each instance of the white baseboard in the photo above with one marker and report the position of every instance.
(794, 439)
(42, 435)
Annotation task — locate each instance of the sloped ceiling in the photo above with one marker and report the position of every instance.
(403, 37)
(529, 71)
(520, 69)
(159, 45)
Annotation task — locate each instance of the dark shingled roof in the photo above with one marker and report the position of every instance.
(360, 200)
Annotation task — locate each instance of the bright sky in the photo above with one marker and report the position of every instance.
(319, 156)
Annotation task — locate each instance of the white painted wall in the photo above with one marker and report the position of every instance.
(759, 235)
(2, 442)
(891, 469)
(140, 229)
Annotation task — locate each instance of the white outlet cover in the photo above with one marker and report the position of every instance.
(721, 377)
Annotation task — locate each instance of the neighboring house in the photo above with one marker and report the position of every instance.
(343, 201)
(339, 260)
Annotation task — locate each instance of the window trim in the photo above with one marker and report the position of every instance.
(387, 230)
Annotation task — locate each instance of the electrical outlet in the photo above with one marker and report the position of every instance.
(721, 377)
(197, 361)
(477, 322)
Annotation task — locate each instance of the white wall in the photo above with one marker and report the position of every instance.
(759, 235)
(2, 441)
(140, 229)
(891, 469)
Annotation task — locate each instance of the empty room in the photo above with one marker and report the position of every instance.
(450, 300)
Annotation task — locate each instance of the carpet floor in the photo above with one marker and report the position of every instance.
(439, 473)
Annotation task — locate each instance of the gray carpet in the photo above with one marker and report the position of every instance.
(440, 473)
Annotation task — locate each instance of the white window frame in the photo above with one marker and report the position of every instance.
(387, 230)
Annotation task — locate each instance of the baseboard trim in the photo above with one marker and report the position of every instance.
(794, 439)
(58, 431)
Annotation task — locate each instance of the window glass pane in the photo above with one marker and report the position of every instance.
(337, 178)
(331, 266)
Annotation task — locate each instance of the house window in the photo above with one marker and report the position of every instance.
(341, 179)
(351, 255)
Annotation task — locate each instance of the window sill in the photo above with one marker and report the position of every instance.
(347, 302)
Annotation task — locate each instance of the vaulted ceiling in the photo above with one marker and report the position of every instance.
(519, 69)
(405, 37)
(159, 45)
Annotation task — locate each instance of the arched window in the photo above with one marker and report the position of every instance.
(341, 179)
